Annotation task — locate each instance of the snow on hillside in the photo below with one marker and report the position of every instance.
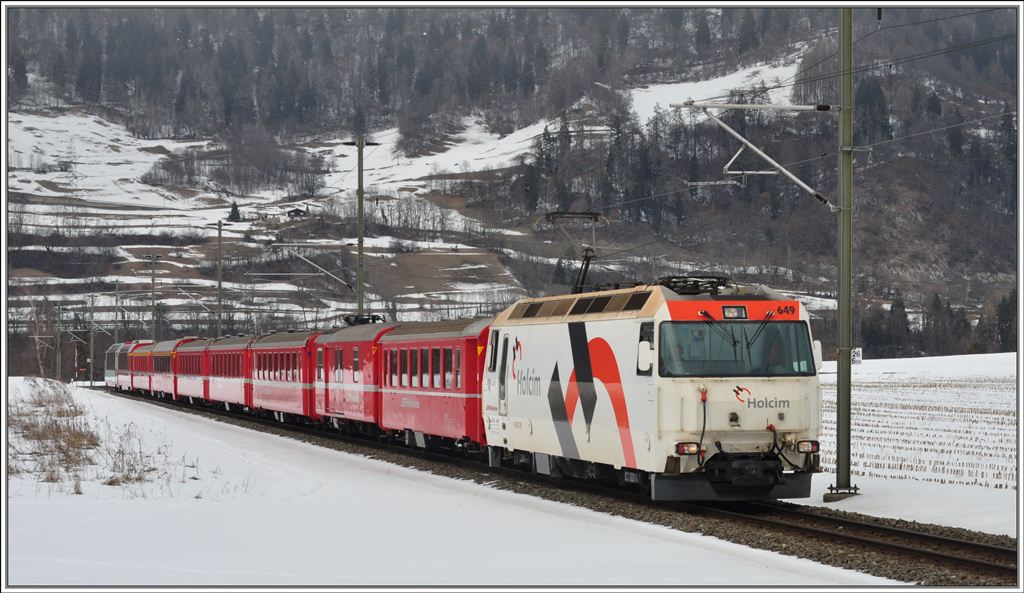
(717, 89)
(226, 505)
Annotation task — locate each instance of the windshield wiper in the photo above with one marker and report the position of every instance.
(711, 321)
(760, 328)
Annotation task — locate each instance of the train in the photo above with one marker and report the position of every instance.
(691, 388)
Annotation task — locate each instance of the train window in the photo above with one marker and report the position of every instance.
(320, 364)
(598, 304)
(458, 368)
(414, 367)
(531, 311)
(435, 367)
(519, 311)
(562, 307)
(637, 301)
(448, 379)
(502, 379)
(491, 365)
(393, 373)
(581, 306)
(355, 365)
(646, 335)
(424, 367)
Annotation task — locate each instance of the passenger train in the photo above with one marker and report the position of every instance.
(691, 388)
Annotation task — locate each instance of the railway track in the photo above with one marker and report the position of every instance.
(905, 543)
(918, 550)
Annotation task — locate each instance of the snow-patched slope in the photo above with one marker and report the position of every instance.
(271, 510)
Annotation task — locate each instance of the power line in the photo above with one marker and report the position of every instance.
(869, 34)
(857, 69)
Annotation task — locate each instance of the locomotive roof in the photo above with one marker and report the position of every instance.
(283, 339)
(230, 343)
(168, 345)
(200, 344)
(355, 333)
(623, 303)
(455, 328)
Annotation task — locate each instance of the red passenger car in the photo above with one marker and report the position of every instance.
(164, 379)
(140, 361)
(282, 379)
(229, 371)
(431, 384)
(124, 369)
(192, 370)
(348, 363)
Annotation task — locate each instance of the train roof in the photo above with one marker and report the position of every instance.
(283, 339)
(423, 330)
(230, 342)
(118, 347)
(143, 350)
(199, 344)
(624, 303)
(169, 345)
(356, 333)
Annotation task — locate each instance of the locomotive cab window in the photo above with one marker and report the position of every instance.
(646, 335)
(734, 349)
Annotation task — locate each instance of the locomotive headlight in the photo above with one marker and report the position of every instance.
(734, 312)
(807, 446)
(687, 448)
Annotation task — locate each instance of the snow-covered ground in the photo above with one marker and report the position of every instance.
(227, 505)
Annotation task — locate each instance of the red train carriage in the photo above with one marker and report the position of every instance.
(229, 371)
(348, 363)
(110, 364)
(191, 370)
(430, 382)
(282, 379)
(140, 361)
(124, 369)
(164, 372)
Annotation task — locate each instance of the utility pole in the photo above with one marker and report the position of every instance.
(92, 324)
(57, 334)
(117, 307)
(220, 276)
(152, 297)
(360, 143)
(842, 488)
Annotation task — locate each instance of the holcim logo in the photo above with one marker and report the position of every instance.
(759, 402)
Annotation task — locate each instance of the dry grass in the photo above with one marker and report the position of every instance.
(55, 439)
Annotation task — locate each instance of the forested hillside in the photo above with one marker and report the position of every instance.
(935, 126)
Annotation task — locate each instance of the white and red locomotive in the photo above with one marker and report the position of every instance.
(692, 388)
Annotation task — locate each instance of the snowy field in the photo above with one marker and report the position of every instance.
(214, 493)
(226, 505)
